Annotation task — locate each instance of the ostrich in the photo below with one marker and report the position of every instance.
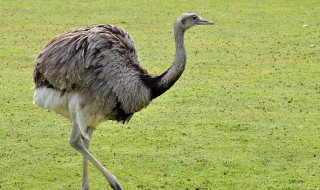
(93, 74)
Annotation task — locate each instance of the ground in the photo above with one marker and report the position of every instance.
(244, 114)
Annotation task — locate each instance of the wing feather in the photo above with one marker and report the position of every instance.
(99, 62)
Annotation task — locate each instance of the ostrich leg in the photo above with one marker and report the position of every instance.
(85, 177)
(77, 143)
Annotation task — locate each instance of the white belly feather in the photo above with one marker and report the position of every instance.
(51, 99)
(67, 105)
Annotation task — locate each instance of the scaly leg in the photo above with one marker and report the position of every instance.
(77, 143)
(85, 176)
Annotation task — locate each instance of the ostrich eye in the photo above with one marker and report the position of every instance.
(194, 17)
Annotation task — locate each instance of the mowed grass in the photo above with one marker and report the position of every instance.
(244, 115)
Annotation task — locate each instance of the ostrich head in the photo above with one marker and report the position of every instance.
(187, 20)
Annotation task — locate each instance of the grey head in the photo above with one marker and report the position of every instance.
(187, 20)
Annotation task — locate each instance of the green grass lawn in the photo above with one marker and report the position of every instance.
(244, 115)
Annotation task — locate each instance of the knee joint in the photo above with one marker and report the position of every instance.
(76, 144)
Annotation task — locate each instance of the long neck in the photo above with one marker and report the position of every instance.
(169, 77)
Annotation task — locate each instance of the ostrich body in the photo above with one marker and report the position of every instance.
(92, 74)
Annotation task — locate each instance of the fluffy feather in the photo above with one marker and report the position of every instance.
(101, 64)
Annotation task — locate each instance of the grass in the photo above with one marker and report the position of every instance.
(244, 115)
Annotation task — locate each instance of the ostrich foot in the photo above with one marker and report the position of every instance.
(116, 186)
(114, 183)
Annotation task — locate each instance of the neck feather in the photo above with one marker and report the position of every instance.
(166, 80)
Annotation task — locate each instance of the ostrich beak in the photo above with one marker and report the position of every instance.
(204, 22)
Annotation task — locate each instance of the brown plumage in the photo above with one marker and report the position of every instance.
(93, 74)
(98, 62)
